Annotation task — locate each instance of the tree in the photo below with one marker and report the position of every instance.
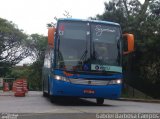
(38, 44)
(33, 72)
(144, 22)
(13, 45)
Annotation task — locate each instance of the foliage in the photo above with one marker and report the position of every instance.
(39, 44)
(13, 43)
(35, 76)
(66, 14)
(32, 73)
(143, 21)
(13, 46)
(18, 72)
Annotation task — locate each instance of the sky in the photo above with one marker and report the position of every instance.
(32, 15)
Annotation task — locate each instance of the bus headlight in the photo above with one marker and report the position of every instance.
(117, 81)
(61, 78)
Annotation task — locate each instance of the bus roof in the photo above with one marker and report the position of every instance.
(95, 21)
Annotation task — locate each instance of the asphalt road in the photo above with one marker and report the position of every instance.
(34, 105)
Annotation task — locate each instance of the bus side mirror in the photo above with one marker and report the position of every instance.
(130, 43)
(51, 31)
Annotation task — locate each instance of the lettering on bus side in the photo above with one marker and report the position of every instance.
(102, 68)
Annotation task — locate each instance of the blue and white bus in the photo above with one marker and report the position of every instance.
(84, 59)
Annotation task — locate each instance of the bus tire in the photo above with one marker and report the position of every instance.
(53, 99)
(45, 94)
(48, 88)
(100, 101)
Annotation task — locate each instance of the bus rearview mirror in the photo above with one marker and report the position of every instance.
(129, 40)
(51, 31)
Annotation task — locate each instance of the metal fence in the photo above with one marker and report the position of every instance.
(130, 92)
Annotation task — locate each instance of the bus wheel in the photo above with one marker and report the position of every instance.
(53, 99)
(100, 101)
(45, 94)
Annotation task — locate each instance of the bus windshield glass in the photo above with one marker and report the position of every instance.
(105, 44)
(84, 46)
(72, 44)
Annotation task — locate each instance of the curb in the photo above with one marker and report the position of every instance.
(6, 93)
(139, 100)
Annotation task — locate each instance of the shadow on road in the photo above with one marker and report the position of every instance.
(66, 101)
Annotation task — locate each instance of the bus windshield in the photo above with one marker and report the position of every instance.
(82, 46)
(105, 44)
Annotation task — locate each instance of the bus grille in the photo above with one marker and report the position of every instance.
(89, 82)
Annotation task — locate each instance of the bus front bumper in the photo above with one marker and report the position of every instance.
(61, 88)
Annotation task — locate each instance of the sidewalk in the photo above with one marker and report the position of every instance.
(32, 93)
(11, 93)
(140, 100)
(7, 93)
